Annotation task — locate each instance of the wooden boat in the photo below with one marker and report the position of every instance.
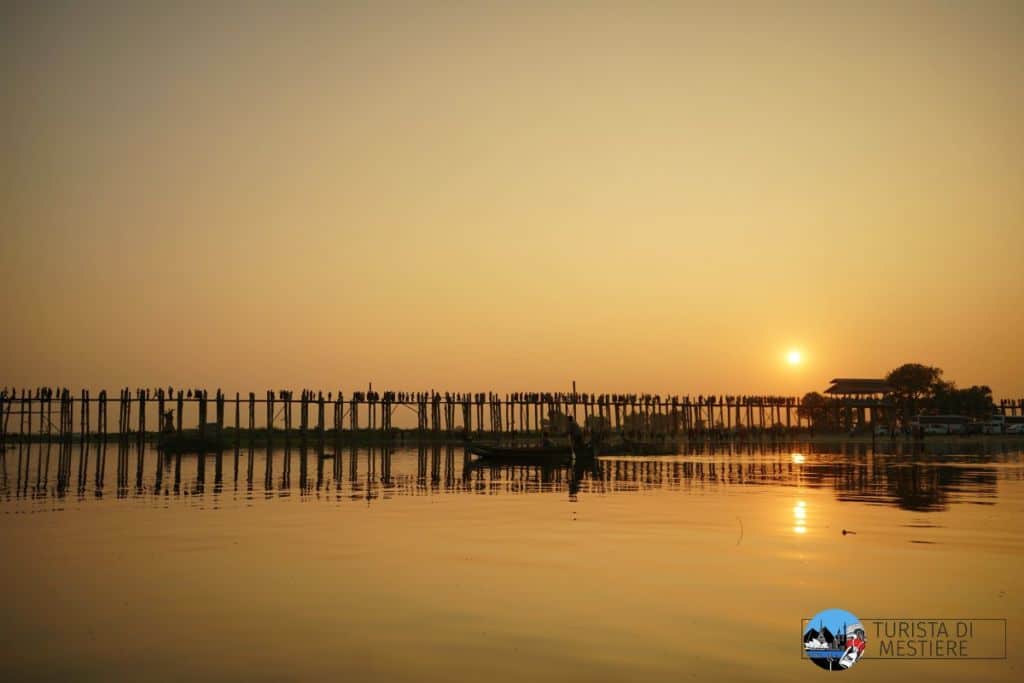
(529, 455)
(630, 447)
(191, 441)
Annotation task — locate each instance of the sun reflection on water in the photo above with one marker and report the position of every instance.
(800, 517)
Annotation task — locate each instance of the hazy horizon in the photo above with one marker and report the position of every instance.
(639, 197)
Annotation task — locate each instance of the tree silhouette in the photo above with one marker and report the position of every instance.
(815, 408)
(913, 381)
(975, 401)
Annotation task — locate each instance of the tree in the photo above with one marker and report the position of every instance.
(913, 381)
(913, 384)
(975, 401)
(815, 408)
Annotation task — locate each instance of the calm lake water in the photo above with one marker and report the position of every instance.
(411, 565)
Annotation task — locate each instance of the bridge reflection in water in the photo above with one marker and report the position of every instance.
(912, 480)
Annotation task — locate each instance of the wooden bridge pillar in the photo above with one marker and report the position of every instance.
(141, 395)
(126, 404)
(85, 416)
(286, 404)
(270, 421)
(448, 414)
(320, 415)
(220, 409)
(252, 416)
(200, 399)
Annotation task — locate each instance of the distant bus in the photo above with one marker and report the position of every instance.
(941, 424)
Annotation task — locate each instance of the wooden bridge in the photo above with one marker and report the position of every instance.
(53, 414)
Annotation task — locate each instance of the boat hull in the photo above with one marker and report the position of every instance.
(190, 441)
(528, 455)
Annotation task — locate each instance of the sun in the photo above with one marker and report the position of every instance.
(794, 357)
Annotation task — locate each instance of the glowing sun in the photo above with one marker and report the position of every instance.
(794, 357)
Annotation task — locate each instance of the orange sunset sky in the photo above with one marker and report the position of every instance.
(649, 196)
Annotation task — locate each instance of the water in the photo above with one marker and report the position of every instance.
(412, 565)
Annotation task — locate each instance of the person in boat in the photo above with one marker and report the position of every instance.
(575, 434)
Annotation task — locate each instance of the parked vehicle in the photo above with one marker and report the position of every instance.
(996, 424)
(883, 430)
(1014, 424)
(941, 424)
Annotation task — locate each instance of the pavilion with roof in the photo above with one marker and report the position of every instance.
(857, 396)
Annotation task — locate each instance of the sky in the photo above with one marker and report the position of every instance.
(638, 196)
(833, 619)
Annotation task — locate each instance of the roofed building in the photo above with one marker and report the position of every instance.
(844, 386)
(862, 394)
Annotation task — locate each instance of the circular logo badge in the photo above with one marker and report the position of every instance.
(834, 639)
